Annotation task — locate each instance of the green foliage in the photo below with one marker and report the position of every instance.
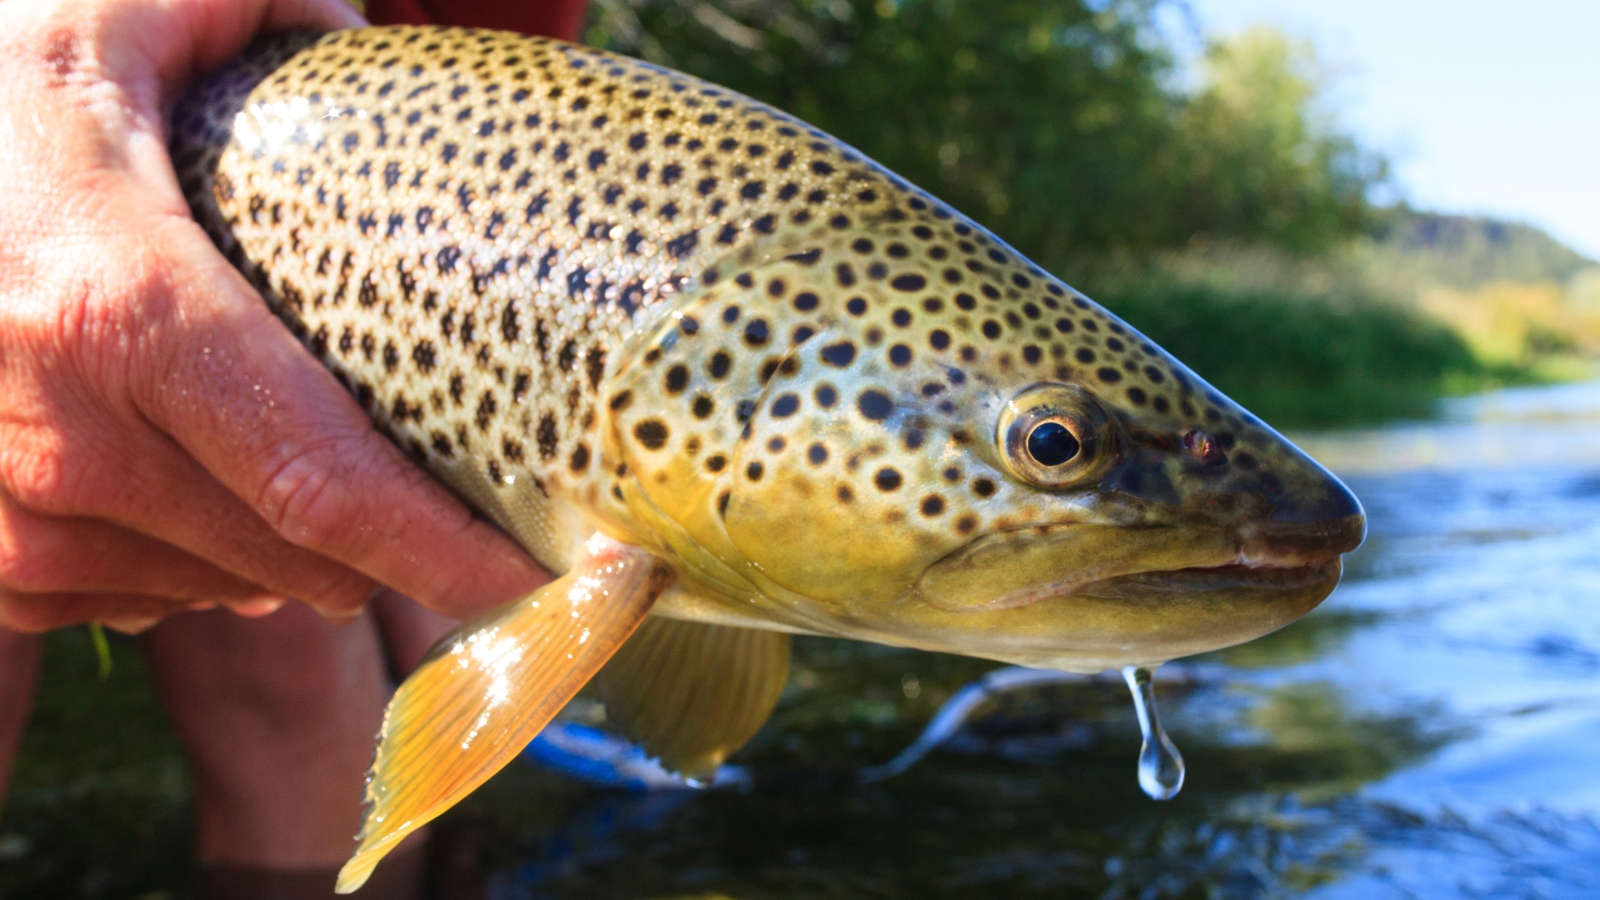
(1264, 158)
(1055, 124)
(102, 649)
(1300, 357)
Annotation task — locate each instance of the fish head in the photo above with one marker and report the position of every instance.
(999, 467)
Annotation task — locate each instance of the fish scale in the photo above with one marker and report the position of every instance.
(715, 364)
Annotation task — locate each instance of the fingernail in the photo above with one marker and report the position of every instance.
(131, 625)
(339, 616)
(256, 609)
(343, 616)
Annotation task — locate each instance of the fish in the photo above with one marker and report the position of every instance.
(731, 381)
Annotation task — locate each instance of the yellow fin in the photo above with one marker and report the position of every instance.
(693, 693)
(489, 687)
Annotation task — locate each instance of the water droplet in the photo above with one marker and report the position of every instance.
(1160, 763)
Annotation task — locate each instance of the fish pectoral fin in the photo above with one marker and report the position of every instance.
(485, 690)
(693, 693)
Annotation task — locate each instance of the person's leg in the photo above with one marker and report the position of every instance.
(19, 671)
(277, 716)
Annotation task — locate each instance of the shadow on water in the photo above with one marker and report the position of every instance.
(1432, 731)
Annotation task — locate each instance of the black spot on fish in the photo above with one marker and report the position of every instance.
(486, 410)
(595, 364)
(510, 325)
(448, 257)
(840, 354)
(546, 436)
(652, 433)
(875, 405)
(683, 244)
(577, 281)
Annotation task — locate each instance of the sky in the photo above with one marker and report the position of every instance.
(1483, 107)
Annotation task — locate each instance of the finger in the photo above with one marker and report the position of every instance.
(48, 555)
(36, 613)
(148, 55)
(256, 609)
(92, 454)
(169, 496)
(273, 426)
(204, 33)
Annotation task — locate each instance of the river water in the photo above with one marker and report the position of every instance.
(1432, 731)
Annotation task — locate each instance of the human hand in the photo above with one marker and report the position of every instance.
(164, 442)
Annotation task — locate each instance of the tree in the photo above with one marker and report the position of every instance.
(1057, 123)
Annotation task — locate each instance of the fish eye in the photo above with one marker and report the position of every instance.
(1052, 444)
(1053, 435)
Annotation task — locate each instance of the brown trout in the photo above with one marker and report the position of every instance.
(712, 365)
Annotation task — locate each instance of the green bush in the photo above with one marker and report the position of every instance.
(1299, 358)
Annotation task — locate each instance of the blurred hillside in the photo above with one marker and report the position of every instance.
(1468, 252)
(1520, 298)
(1223, 209)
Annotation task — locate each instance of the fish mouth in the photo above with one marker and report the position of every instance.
(1088, 597)
(1232, 578)
(1023, 567)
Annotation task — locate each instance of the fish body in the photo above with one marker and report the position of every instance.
(640, 320)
